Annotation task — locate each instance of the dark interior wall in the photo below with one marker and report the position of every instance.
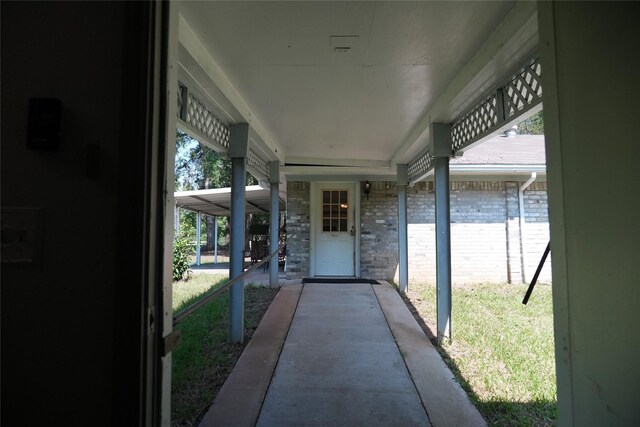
(59, 318)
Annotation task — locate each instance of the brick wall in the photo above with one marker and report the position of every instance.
(298, 220)
(486, 240)
(379, 231)
(535, 203)
(478, 232)
(535, 231)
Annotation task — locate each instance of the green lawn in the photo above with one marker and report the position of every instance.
(502, 351)
(208, 259)
(204, 358)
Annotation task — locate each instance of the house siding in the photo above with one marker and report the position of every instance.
(487, 243)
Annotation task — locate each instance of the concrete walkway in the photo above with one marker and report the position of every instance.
(340, 355)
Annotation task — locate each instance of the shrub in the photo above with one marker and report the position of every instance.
(181, 251)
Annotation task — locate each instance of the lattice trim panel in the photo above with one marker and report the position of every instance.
(420, 167)
(257, 163)
(523, 91)
(206, 122)
(182, 108)
(194, 113)
(478, 122)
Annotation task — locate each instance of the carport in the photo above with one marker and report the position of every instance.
(217, 202)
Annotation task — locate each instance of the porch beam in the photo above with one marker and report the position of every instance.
(403, 257)
(274, 220)
(441, 143)
(239, 141)
(319, 161)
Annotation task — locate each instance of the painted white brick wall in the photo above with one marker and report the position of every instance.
(478, 253)
(535, 238)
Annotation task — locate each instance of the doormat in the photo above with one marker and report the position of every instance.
(337, 280)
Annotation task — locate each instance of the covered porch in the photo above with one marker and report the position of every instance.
(343, 97)
(297, 93)
(323, 98)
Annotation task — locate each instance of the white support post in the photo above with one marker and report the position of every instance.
(198, 230)
(403, 251)
(274, 216)
(441, 144)
(158, 377)
(215, 240)
(239, 141)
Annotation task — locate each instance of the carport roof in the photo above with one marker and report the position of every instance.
(217, 201)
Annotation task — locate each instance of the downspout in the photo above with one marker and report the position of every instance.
(522, 221)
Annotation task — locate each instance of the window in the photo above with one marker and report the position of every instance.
(334, 210)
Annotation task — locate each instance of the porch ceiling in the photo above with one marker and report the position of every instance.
(278, 65)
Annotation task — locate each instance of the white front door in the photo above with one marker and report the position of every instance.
(334, 229)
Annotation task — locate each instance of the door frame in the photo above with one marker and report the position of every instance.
(314, 209)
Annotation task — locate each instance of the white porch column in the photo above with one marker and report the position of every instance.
(274, 216)
(198, 228)
(441, 143)
(403, 257)
(593, 222)
(239, 141)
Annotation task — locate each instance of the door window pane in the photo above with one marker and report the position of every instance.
(335, 210)
(343, 197)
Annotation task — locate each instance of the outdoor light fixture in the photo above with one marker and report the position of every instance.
(367, 189)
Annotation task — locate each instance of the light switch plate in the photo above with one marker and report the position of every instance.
(21, 236)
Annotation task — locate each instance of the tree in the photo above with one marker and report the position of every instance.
(534, 125)
(199, 167)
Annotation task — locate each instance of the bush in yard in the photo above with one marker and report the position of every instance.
(181, 251)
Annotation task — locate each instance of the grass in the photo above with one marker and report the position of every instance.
(502, 351)
(204, 358)
(208, 259)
